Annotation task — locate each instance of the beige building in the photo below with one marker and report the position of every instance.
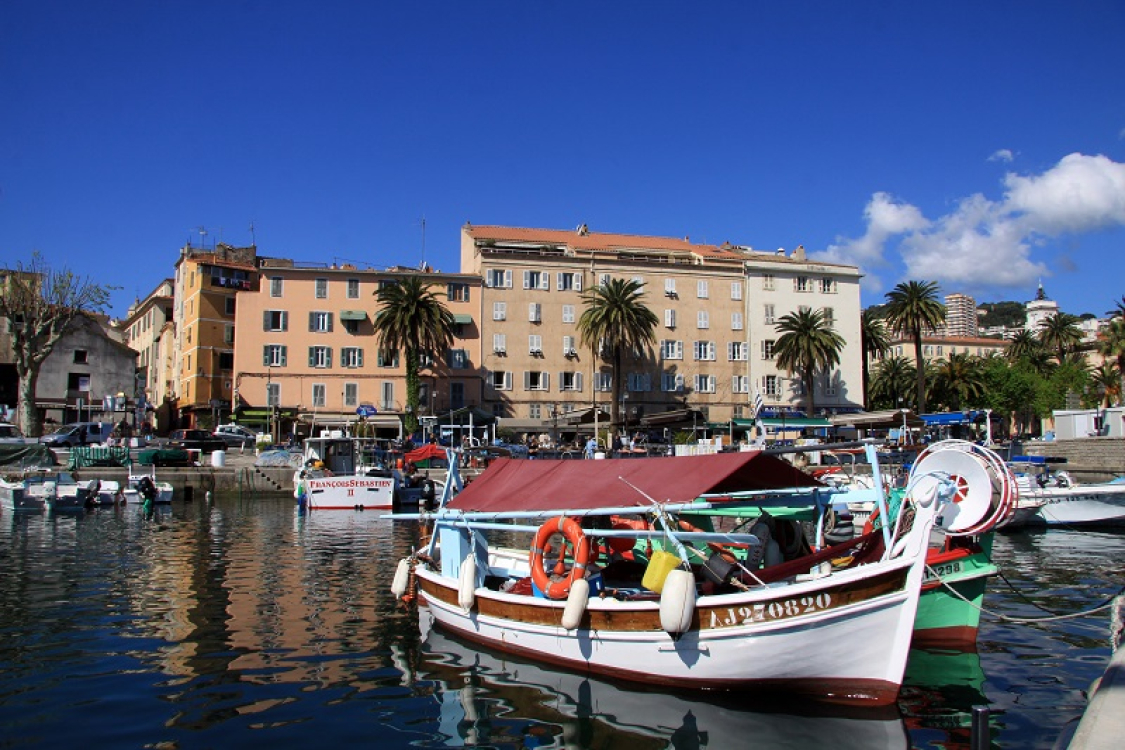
(960, 317)
(941, 347)
(717, 308)
(149, 329)
(306, 351)
(207, 286)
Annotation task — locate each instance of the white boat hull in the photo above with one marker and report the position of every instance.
(768, 638)
(346, 492)
(1083, 505)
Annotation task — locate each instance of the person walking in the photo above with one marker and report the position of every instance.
(591, 447)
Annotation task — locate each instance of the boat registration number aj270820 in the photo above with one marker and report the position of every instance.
(764, 612)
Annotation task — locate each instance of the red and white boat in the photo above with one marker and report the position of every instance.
(666, 621)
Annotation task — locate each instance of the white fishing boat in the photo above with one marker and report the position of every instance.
(665, 621)
(339, 472)
(110, 492)
(1053, 498)
(40, 489)
(142, 486)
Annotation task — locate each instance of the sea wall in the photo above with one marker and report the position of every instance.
(1091, 459)
(196, 481)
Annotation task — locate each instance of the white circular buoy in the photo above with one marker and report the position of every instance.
(677, 602)
(402, 577)
(467, 587)
(972, 499)
(576, 604)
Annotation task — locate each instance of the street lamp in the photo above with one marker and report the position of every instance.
(624, 413)
(555, 425)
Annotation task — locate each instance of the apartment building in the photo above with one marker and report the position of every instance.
(960, 317)
(941, 347)
(306, 355)
(206, 288)
(149, 329)
(717, 307)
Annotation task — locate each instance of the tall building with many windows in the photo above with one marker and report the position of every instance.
(149, 329)
(717, 307)
(960, 317)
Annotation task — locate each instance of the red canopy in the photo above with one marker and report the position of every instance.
(519, 484)
(429, 450)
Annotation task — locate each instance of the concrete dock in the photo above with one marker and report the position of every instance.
(1103, 724)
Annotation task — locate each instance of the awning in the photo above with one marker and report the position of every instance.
(673, 417)
(518, 484)
(390, 421)
(353, 315)
(462, 318)
(796, 423)
(877, 419)
(522, 425)
(947, 418)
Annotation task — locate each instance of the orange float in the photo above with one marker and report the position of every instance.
(574, 534)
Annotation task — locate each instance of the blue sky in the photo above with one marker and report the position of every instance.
(980, 145)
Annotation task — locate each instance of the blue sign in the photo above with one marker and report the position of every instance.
(367, 410)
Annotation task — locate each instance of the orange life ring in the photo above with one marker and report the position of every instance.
(573, 533)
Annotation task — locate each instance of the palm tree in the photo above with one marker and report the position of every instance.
(959, 379)
(1111, 344)
(615, 321)
(1106, 381)
(891, 381)
(414, 321)
(1024, 345)
(807, 345)
(875, 342)
(912, 310)
(1061, 333)
(1118, 311)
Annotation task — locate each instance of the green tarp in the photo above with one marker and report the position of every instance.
(89, 455)
(164, 457)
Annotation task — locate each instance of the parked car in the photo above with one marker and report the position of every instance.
(195, 440)
(236, 436)
(79, 433)
(10, 434)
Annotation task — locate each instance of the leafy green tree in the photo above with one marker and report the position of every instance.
(616, 321)
(1111, 345)
(1007, 314)
(875, 342)
(1118, 311)
(39, 304)
(1061, 333)
(1105, 385)
(807, 345)
(891, 382)
(412, 320)
(913, 310)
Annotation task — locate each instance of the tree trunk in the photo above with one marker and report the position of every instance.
(28, 414)
(618, 387)
(809, 384)
(920, 366)
(410, 421)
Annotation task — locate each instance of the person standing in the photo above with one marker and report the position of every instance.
(591, 447)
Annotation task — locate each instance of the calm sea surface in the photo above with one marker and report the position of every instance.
(241, 624)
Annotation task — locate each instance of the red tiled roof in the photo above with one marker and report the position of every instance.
(597, 241)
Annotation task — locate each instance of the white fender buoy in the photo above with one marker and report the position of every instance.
(402, 577)
(677, 602)
(466, 590)
(576, 604)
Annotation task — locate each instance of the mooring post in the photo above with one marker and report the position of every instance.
(981, 737)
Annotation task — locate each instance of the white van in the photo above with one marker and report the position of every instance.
(79, 433)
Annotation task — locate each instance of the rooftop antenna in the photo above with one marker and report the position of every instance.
(253, 239)
(202, 237)
(423, 241)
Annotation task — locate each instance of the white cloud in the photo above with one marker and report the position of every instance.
(984, 243)
(1004, 154)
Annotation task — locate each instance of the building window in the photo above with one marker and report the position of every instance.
(458, 359)
(830, 317)
(273, 394)
(671, 382)
(570, 381)
(275, 286)
(536, 280)
(568, 282)
(535, 411)
(351, 394)
(704, 350)
(275, 355)
(670, 349)
(705, 383)
(669, 318)
(701, 289)
(353, 288)
(568, 349)
(501, 381)
(387, 396)
(736, 290)
(603, 381)
(830, 381)
(535, 344)
(640, 282)
(322, 288)
(801, 283)
(669, 287)
(351, 357)
(80, 357)
(457, 292)
(351, 326)
(226, 360)
(736, 321)
(499, 310)
(320, 322)
(768, 348)
(318, 390)
(702, 319)
(388, 359)
(535, 312)
(229, 305)
(603, 279)
(320, 356)
(536, 381)
(499, 343)
(767, 282)
(498, 278)
(740, 384)
(771, 386)
(737, 351)
(568, 314)
(638, 382)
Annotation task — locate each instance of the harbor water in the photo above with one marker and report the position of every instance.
(239, 623)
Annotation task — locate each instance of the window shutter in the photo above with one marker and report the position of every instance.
(284, 356)
(546, 381)
(559, 281)
(266, 356)
(527, 279)
(330, 316)
(578, 282)
(545, 281)
(526, 380)
(507, 381)
(266, 320)
(679, 382)
(327, 356)
(312, 321)
(488, 278)
(578, 382)
(508, 278)
(312, 356)
(359, 358)
(284, 320)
